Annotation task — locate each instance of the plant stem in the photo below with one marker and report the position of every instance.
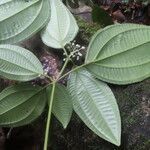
(49, 116)
(63, 68)
(51, 101)
(65, 51)
(49, 78)
(65, 64)
(72, 71)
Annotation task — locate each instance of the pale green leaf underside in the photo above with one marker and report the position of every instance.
(120, 54)
(20, 19)
(62, 27)
(95, 104)
(62, 104)
(17, 63)
(21, 104)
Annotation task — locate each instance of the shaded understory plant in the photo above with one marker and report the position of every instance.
(118, 54)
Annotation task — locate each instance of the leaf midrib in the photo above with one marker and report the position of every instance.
(12, 36)
(17, 53)
(94, 61)
(91, 123)
(116, 36)
(95, 104)
(23, 101)
(28, 6)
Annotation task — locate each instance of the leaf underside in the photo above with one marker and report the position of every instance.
(21, 105)
(95, 104)
(20, 19)
(62, 105)
(17, 63)
(120, 54)
(62, 27)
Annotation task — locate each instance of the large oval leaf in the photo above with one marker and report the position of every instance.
(21, 104)
(62, 27)
(62, 104)
(17, 63)
(20, 19)
(120, 54)
(95, 104)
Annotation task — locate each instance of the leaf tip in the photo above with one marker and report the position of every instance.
(117, 141)
(65, 126)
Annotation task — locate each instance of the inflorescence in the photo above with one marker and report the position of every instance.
(74, 51)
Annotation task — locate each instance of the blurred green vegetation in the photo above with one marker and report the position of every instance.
(87, 29)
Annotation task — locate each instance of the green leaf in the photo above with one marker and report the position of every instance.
(21, 104)
(95, 104)
(100, 16)
(20, 19)
(120, 54)
(62, 104)
(17, 63)
(62, 27)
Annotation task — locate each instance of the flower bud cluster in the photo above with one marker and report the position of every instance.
(74, 50)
